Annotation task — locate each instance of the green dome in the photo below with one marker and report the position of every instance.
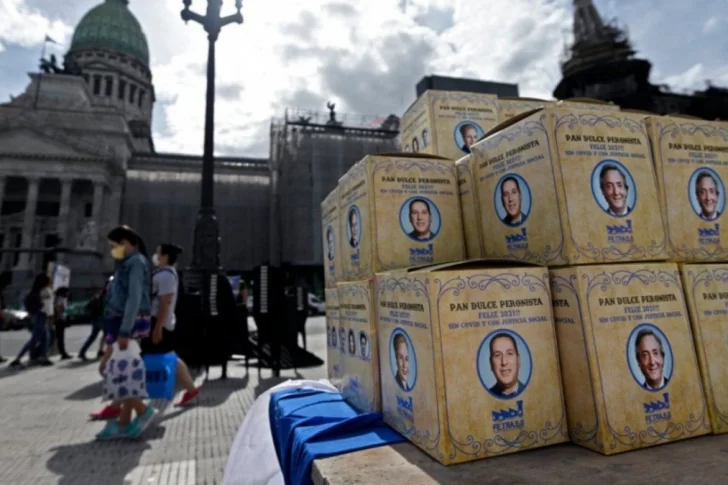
(111, 26)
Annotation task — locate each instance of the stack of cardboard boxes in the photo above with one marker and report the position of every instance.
(519, 286)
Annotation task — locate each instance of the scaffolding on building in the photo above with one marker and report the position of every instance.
(309, 152)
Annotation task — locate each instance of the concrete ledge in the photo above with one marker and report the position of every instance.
(699, 460)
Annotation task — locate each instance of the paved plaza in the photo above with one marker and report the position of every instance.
(46, 437)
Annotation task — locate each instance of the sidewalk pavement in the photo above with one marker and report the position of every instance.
(46, 437)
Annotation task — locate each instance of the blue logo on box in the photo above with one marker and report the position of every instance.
(658, 410)
(422, 255)
(406, 407)
(511, 418)
(518, 240)
(709, 235)
(620, 233)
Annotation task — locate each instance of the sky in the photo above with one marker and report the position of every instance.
(364, 55)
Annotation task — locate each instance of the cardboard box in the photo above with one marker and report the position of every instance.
(333, 354)
(361, 369)
(470, 208)
(691, 159)
(510, 107)
(564, 186)
(447, 123)
(706, 292)
(589, 104)
(331, 238)
(396, 211)
(468, 359)
(628, 362)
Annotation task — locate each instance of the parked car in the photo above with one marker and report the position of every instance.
(15, 319)
(77, 312)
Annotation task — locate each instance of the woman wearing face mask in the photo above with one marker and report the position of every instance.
(165, 283)
(128, 316)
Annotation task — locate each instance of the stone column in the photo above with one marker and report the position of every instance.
(112, 209)
(63, 213)
(31, 203)
(96, 212)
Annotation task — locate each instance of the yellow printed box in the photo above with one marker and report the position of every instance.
(691, 159)
(330, 227)
(706, 292)
(510, 107)
(333, 355)
(396, 211)
(470, 209)
(628, 362)
(361, 359)
(565, 186)
(447, 123)
(468, 359)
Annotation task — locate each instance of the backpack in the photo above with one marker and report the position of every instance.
(162, 270)
(33, 304)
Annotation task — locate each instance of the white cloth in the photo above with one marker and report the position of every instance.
(46, 301)
(253, 459)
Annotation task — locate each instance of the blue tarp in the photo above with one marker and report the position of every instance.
(309, 424)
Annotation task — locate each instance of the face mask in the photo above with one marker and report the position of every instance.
(117, 252)
(155, 259)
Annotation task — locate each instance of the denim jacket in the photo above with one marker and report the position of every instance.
(129, 294)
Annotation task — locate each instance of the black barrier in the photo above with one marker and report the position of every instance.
(280, 310)
(206, 320)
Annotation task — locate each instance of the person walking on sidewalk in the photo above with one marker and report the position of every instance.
(127, 317)
(61, 305)
(39, 305)
(95, 309)
(165, 285)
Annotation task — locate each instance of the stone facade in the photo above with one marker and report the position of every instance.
(62, 168)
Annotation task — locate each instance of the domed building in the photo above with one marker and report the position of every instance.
(77, 157)
(111, 50)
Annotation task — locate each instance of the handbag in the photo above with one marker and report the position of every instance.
(125, 374)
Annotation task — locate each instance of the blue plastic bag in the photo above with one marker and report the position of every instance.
(161, 375)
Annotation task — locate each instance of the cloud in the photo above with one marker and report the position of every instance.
(365, 55)
(711, 25)
(696, 77)
(691, 79)
(26, 27)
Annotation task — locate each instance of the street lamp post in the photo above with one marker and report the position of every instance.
(206, 247)
(206, 287)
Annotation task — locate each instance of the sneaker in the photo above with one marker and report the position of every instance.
(141, 423)
(108, 412)
(111, 431)
(3, 359)
(187, 397)
(16, 364)
(66, 357)
(132, 430)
